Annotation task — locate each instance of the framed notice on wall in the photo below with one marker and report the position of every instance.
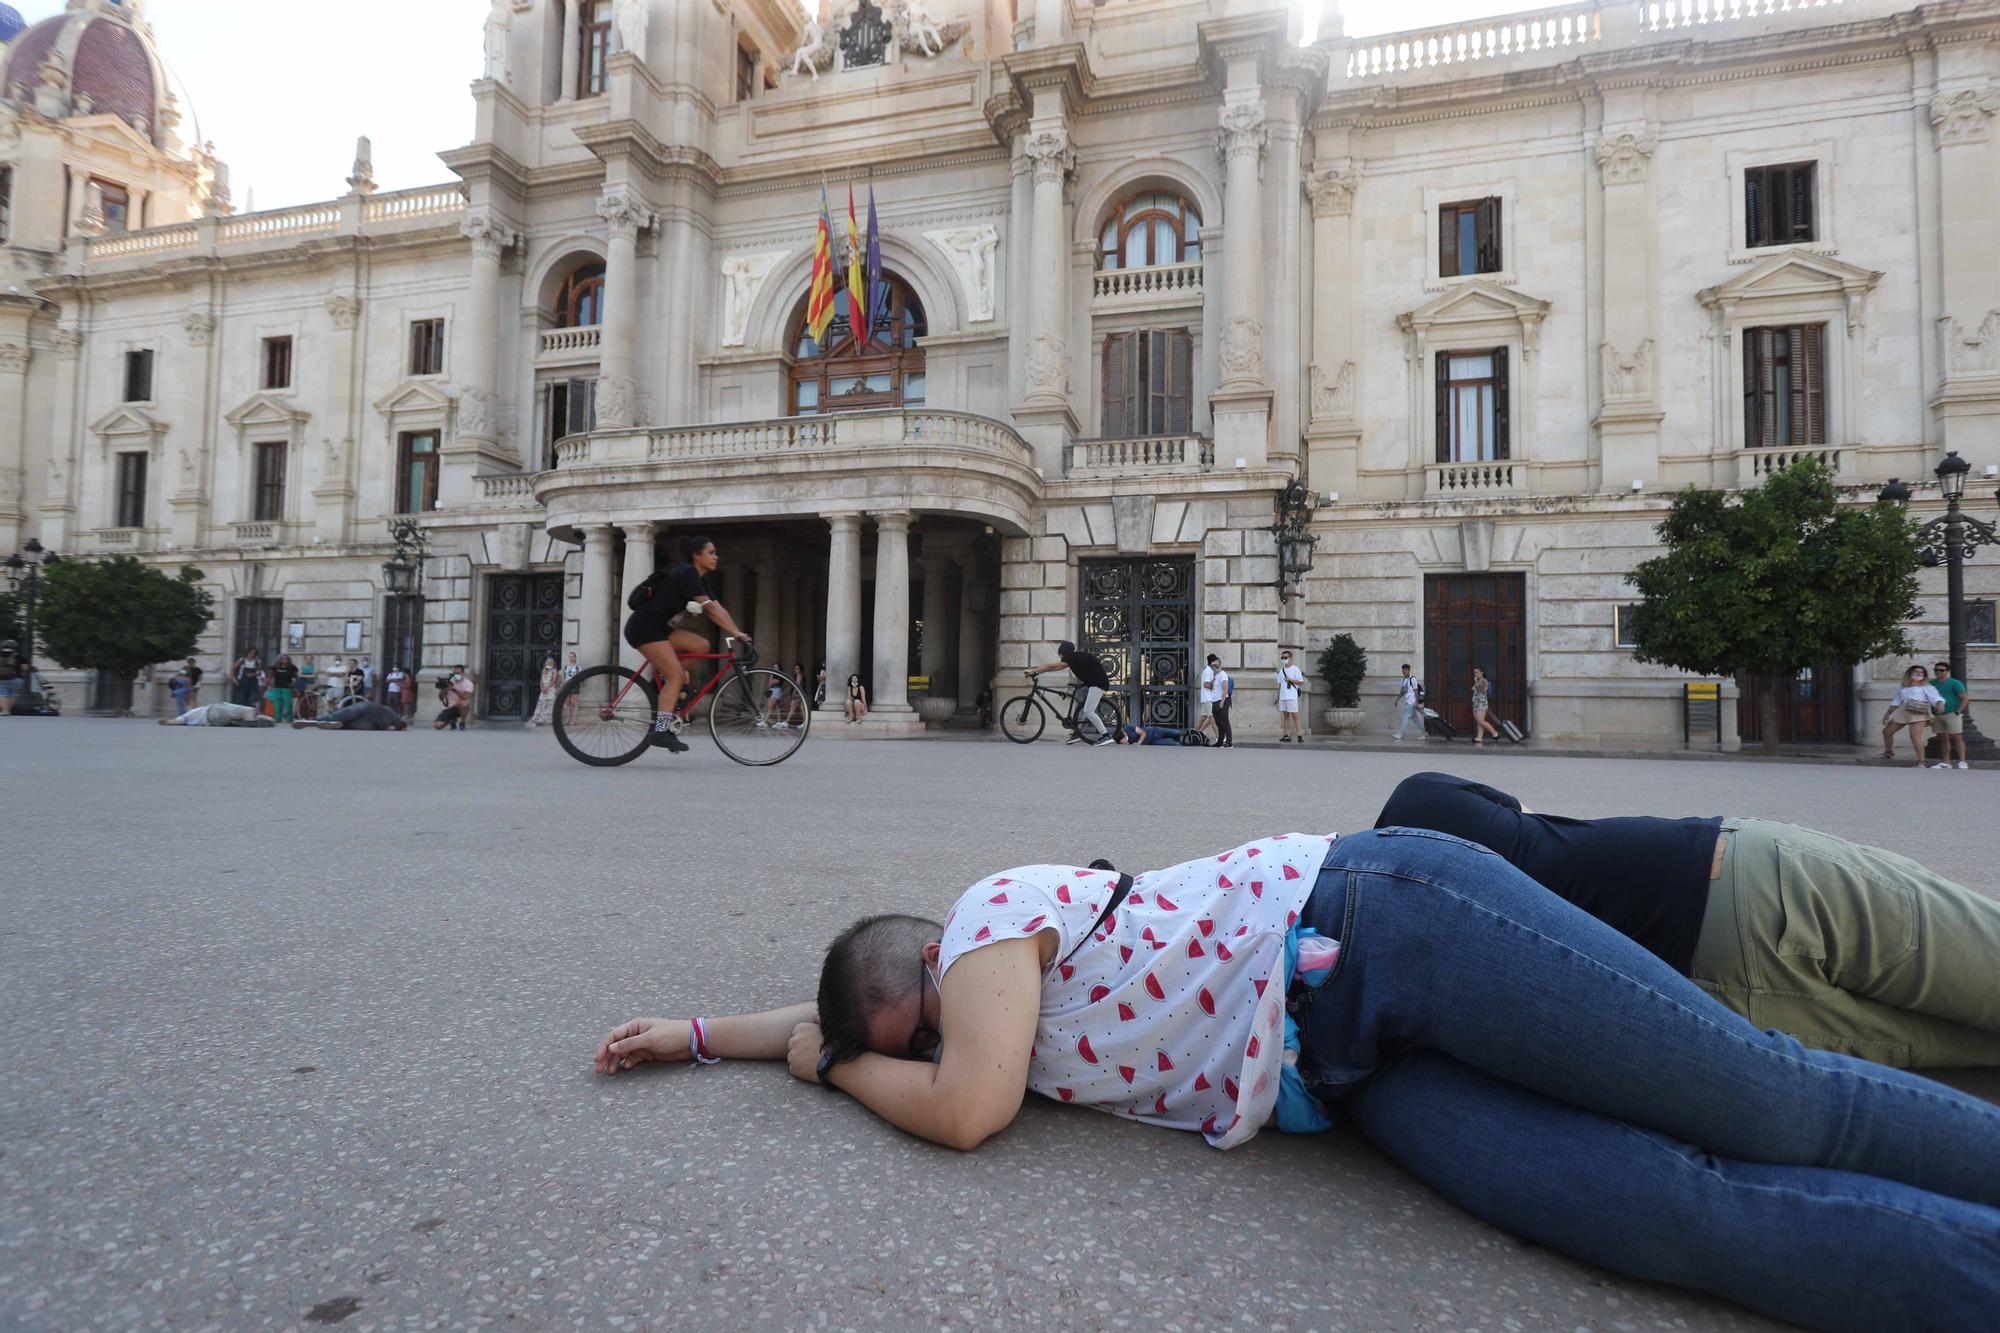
(353, 635)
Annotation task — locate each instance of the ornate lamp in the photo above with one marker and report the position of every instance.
(1295, 544)
(1951, 474)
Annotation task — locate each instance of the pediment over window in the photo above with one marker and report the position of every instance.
(1476, 303)
(266, 409)
(415, 395)
(1791, 282)
(128, 422)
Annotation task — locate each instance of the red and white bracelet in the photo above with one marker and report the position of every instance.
(698, 1043)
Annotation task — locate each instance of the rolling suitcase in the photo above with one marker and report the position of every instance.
(1511, 732)
(1435, 725)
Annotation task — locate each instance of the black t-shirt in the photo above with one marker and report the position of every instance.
(283, 676)
(672, 592)
(1643, 876)
(1088, 668)
(365, 717)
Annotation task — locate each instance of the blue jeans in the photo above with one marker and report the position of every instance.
(1406, 715)
(1549, 1075)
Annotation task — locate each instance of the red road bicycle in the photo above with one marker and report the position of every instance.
(604, 715)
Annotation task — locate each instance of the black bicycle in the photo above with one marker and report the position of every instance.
(1026, 718)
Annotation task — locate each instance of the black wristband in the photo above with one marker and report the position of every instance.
(826, 1063)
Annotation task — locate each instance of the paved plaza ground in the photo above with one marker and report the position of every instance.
(297, 1029)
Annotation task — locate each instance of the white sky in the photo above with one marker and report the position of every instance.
(282, 87)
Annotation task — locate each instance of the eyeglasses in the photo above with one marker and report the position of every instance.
(924, 1038)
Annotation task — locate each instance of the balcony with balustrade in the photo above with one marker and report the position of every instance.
(1155, 287)
(1143, 456)
(375, 217)
(569, 346)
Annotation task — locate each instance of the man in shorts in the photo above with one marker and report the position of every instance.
(1205, 716)
(1951, 722)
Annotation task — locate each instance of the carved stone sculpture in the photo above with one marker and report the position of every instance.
(815, 51)
(1048, 367)
(971, 251)
(199, 325)
(1241, 133)
(343, 308)
(617, 402)
(1048, 148)
(630, 17)
(361, 177)
(1623, 157)
(476, 413)
(1243, 351)
(1628, 378)
(1333, 395)
(918, 31)
(1332, 191)
(1962, 117)
(742, 278)
(625, 214)
(498, 18)
(1971, 351)
(13, 358)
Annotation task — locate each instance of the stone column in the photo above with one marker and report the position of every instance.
(891, 693)
(474, 445)
(62, 486)
(973, 670)
(572, 51)
(1242, 402)
(625, 216)
(843, 607)
(1628, 417)
(638, 565)
(13, 441)
(333, 497)
(1045, 417)
(1049, 22)
(1968, 398)
(1333, 435)
(768, 619)
(594, 617)
(936, 647)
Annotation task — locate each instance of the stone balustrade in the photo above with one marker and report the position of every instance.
(118, 539)
(835, 431)
(255, 534)
(1156, 284)
(1753, 465)
(566, 342)
(1150, 454)
(1673, 15)
(374, 215)
(1455, 481)
(506, 490)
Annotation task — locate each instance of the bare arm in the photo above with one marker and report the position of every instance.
(992, 999)
(734, 1037)
(720, 615)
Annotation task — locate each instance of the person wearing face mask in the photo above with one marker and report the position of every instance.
(1290, 678)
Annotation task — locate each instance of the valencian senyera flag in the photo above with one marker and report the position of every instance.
(858, 307)
(819, 298)
(874, 274)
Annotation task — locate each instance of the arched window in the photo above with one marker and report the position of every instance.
(1148, 229)
(839, 375)
(580, 300)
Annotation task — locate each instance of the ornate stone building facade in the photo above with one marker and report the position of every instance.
(1492, 292)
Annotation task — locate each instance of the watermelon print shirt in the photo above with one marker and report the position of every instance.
(1173, 1012)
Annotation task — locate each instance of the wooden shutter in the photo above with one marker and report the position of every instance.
(1487, 231)
(1443, 364)
(1180, 382)
(1801, 179)
(1448, 241)
(1756, 389)
(1500, 436)
(1113, 423)
(1154, 402)
(1753, 207)
(1809, 381)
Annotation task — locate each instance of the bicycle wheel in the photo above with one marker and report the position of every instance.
(604, 715)
(1111, 713)
(1024, 720)
(348, 701)
(748, 726)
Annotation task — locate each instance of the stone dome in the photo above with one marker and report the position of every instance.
(106, 61)
(11, 23)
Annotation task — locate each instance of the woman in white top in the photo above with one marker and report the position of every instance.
(1913, 707)
(1289, 680)
(545, 702)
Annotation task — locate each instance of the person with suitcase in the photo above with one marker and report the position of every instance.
(1482, 719)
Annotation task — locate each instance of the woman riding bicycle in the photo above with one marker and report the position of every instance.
(667, 613)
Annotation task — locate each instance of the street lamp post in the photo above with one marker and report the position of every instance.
(1948, 541)
(403, 577)
(24, 579)
(1295, 544)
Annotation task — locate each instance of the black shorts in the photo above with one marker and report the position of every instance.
(643, 627)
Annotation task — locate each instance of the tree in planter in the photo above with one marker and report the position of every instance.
(1774, 580)
(118, 616)
(1343, 666)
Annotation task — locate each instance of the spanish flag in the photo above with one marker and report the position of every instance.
(819, 298)
(859, 308)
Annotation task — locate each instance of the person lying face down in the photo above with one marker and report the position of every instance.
(1848, 948)
(1533, 1065)
(219, 715)
(363, 716)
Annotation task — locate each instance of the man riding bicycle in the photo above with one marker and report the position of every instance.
(1092, 680)
(667, 610)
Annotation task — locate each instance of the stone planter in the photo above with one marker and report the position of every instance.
(1344, 721)
(936, 709)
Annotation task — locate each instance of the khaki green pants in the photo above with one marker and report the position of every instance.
(1851, 949)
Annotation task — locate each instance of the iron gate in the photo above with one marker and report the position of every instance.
(1138, 615)
(523, 625)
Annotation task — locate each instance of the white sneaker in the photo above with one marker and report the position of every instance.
(1940, 765)
(1076, 739)
(1963, 764)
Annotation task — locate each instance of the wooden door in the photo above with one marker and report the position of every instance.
(1814, 708)
(1476, 620)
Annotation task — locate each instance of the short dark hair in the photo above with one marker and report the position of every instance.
(1406, 666)
(1213, 658)
(871, 964)
(693, 546)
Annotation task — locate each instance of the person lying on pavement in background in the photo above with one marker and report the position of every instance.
(363, 716)
(219, 715)
(1529, 1062)
(1847, 948)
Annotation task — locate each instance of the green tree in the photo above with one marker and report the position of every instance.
(117, 615)
(1770, 581)
(13, 617)
(1343, 666)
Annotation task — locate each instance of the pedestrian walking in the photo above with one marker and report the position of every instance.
(1225, 695)
(545, 702)
(1482, 721)
(1205, 699)
(1951, 722)
(179, 684)
(284, 677)
(1290, 678)
(1915, 704)
(395, 684)
(1409, 704)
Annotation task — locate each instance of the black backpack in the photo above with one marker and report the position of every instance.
(644, 592)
